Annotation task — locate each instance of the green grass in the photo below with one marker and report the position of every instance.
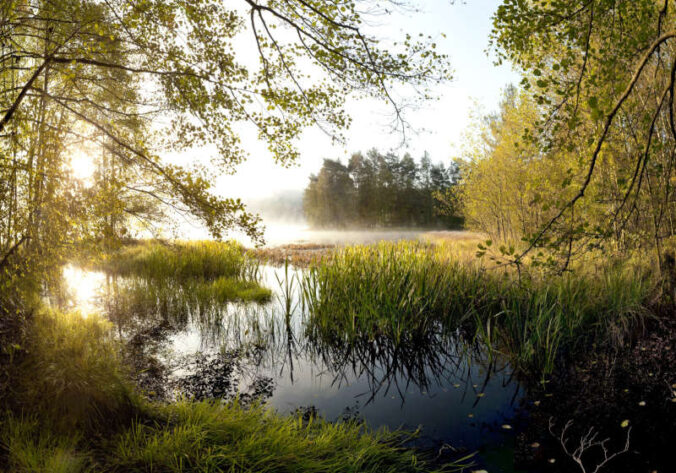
(73, 411)
(211, 271)
(180, 260)
(30, 448)
(203, 437)
(399, 289)
(72, 374)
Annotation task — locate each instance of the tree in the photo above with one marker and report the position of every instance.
(135, 77)
(603, 72)
(377, 190)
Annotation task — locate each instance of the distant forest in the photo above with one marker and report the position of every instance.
(382, 190)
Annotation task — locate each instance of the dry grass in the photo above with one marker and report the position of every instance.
(299, 255)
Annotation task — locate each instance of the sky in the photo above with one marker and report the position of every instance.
(439, 125)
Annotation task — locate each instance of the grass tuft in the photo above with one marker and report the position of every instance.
(214, 272)
(180, 260)
(399, 289)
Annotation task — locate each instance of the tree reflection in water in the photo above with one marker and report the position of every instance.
(179, 342)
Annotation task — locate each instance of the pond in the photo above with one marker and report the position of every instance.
(460, 399)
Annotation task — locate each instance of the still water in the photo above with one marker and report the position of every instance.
(460, 401)
(279, 233)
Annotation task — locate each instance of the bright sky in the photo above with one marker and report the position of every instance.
(476, 80)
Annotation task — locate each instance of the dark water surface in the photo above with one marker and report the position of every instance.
(461, 400)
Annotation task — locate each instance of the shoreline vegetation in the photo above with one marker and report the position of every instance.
(96, 420)
(119, 118)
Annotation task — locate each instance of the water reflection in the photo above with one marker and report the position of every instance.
(181, 343)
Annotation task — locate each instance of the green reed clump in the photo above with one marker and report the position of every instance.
(74, 411)
(180, 260)
(397, 289)
(211, 271)
(391, 288)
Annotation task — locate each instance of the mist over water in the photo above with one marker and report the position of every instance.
(284, 222)
(278, 233)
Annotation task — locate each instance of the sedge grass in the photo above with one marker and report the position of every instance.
(396, 289)
(210, 271)
(180, 260)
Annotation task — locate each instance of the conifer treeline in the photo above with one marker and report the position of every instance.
(378, 189)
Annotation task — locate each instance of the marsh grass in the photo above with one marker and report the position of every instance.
(74, 411)
(213, 272)
(180, 260)
(398, 289)
(229, 438)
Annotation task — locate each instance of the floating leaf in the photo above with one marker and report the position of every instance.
(625, 423)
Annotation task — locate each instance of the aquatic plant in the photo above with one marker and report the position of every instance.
(180, 260)
(203, 272)
(399, 289)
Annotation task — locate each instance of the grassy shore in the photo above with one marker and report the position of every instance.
(72, 408)
(93, 420)
(398, 289)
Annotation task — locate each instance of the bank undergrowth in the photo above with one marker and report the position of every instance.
(72, 410)
(399, 289)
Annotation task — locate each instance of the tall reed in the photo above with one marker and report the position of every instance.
(395, 289)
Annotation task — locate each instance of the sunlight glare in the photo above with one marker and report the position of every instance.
(82, 166)
(83, 287)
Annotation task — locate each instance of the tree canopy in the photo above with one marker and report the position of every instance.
(127, 80)
(601, 76)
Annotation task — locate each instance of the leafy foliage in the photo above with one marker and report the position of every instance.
(605, 97)
(123, 82)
